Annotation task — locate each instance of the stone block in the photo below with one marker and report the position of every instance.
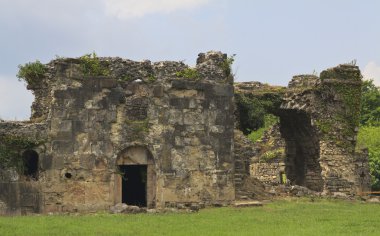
(179, 103)
(107, 83)
(29, 199)
(46, 162)
(87, 161)
(62, 147)
(223, 90)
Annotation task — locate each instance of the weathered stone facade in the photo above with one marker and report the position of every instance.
(171, 130)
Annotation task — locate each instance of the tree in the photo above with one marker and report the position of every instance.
(370, 104)
(369, 133)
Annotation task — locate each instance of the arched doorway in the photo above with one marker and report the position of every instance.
(135, 179)
(30, 164)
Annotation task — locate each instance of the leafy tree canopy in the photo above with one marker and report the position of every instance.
(370, 104)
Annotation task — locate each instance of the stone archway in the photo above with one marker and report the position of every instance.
(135, 181)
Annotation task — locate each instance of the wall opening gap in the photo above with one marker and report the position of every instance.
(30, 161)
(134, 185)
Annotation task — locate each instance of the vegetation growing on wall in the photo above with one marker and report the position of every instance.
(345, 120)
(227, 65)
(31, 72)
(136, 128)
(350, 94)
(151, 78)
(11, 149)
(188, 73)
(273, 154)
(92, 66)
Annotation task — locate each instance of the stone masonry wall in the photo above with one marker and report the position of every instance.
(318, 126)
(176, 120)
(319, 121)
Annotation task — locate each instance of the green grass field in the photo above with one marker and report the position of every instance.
(301, 217)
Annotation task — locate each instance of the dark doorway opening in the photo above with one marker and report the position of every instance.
(134, 179)
(302, 165)
(30, 160)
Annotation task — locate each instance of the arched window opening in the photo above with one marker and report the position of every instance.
(30, 161)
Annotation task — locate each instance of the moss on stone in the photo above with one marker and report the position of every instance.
(270, 155)
(11, 149)
(137, 128)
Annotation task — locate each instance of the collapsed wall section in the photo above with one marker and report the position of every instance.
(21, 146)
(314, 143)
(319, 122)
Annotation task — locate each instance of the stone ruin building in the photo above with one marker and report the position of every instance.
(108, 130)
(313, 145)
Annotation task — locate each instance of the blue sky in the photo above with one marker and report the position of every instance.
(272, 40)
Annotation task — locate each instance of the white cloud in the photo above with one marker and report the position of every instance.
(124, 9)
(15, 100)
(372, 71)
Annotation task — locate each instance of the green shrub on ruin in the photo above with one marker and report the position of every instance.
(92, 66)
(188, 73)
(31, 72)
(273, 154)
(126, 78)
(226, 65)
(151, 78)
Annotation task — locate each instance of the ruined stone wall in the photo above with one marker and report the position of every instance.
(177, 121)
(19, 195)
(269, 172)
(268, 165)
(243, 152)
(319, 121)
(318, 126)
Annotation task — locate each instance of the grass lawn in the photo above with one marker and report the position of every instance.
(296, 217)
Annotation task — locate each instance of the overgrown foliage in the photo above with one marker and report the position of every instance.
(92, 66)
(31, 72)
(227, 65)
(11, 148)
(273, 154)
(369, 136)
(269, 121)
(370, 104)
(253, 109)
(369, 132)
(188, 73)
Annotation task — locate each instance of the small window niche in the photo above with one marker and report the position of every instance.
(30, 161)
